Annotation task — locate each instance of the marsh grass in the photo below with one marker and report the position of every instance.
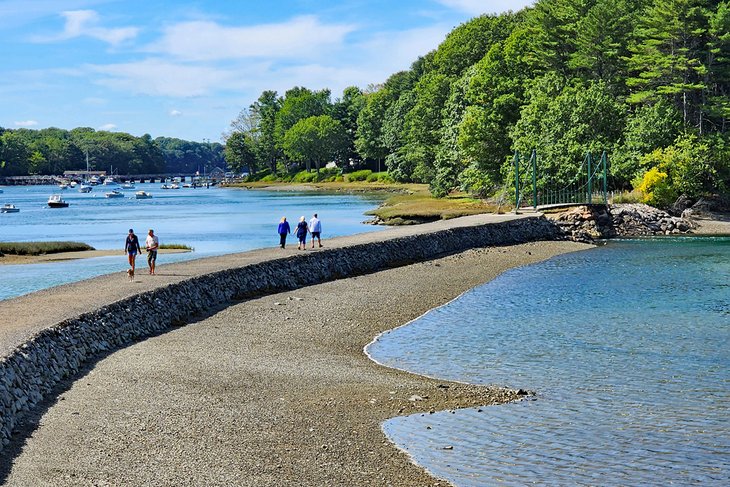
(41, 248)
(422, 206)
(175, 246)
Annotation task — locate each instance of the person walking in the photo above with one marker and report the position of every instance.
(315, 227)
(131, 247)
(284, 229)
(302, 230)
(152, 244)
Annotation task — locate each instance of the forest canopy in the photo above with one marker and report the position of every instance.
(647, 81)
(53, 151)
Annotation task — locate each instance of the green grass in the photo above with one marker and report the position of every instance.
(421, 206)
(41, 248)
(176, 246)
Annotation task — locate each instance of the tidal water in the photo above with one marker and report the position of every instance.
(213, 221)
(627, 347)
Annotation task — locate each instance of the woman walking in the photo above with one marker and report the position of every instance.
(284, 229)
(302, 230)
(131, 248)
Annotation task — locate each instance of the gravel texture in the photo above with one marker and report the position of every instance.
(272, 391)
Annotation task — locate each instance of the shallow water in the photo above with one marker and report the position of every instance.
(627, 348)
(214, 221)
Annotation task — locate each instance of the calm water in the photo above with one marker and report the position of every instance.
(627, 347)
(214, 221)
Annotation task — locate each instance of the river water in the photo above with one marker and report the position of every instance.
(627, 347)
(214, 221)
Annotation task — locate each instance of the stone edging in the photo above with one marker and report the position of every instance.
(33, 370)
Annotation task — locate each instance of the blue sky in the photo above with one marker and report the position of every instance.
(186, 68)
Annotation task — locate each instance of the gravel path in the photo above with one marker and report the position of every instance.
(274, 391)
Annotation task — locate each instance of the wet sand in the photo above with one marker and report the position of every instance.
(274, 391)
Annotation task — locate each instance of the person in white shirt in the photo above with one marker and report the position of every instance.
(315, 227)
(152, 244)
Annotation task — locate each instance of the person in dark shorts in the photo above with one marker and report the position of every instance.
(131, 248)
(152, 244)
(302, 230)
(283, 230)
(315, 227)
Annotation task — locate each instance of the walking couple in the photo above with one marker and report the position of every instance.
(314, 227)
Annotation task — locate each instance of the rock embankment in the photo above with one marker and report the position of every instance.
(31, 372)
(589, 223)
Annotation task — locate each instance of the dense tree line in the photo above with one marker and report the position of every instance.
(648, 81)
(52, 151)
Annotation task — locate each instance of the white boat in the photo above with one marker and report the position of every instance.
(55, 201)
(175, 186)
(128, 186)
(85, 188)
(142, 195)
(187, 185)
(114, 194)
(94, 181)
(63, 186)
(165, 186)
(73, 184)
(8, 208)
(110, 182)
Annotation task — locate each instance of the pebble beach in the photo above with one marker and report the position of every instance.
(270, 391)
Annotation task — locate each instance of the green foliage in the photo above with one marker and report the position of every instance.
(563, 77)
(315, 139)
(40, 248)
(361, 175)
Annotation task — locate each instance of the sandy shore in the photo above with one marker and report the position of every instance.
(274, 391)
(59, 256)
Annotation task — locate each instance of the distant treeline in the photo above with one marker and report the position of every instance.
(52, 151)
(648, 81)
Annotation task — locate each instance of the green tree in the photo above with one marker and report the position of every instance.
(240, 153)
(315, 139)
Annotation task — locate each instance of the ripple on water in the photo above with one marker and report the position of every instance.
(627, 347)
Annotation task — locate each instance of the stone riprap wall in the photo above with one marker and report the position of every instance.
(31, 372)
(588, 223)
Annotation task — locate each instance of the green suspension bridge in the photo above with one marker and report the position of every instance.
(536, 188)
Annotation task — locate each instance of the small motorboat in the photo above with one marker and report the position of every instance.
(128, 186)
(114, 194)
(142, 195)
(187, 185)
(55, 201)
(85, 188)
(8, 208)
(175, 186)
(166, 186)
(73, 184)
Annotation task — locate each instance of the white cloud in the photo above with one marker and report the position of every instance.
(161, 78)
(107, 127)
(207, 40)
(85, 23)
(26, 123)
(478, 7)
(175, 113)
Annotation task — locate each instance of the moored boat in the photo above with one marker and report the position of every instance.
(128, 186)
(114, 194)
(9, 208)
(142, 195)
(55, 201)
(84, 188)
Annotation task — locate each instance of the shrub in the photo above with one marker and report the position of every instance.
(626, 197)
(656, 189)
(268, 179)
(304, 177)
(361, 175)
